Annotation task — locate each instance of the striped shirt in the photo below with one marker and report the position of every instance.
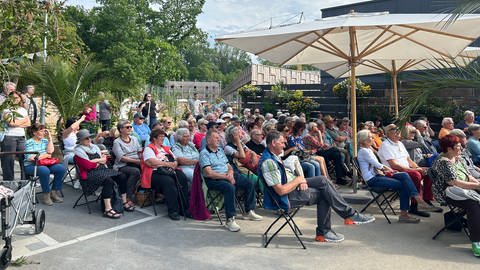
(31, 146)
(272, 174)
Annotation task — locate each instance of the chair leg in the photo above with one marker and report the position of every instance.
(87, 203)
(152, 199)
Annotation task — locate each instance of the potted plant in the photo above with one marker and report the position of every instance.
(342, 88)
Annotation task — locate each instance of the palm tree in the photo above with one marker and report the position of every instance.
(456, 75)
(68, 85)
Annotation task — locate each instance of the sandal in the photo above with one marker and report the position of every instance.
(128, 206)
(111, 214)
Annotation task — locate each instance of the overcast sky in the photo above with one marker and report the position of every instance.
(226, 16)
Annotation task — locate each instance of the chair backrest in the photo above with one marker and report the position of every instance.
(268, 192)
(356, 165)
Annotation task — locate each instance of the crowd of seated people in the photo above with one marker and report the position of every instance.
(291, 153)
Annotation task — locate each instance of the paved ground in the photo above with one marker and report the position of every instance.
(74, 239)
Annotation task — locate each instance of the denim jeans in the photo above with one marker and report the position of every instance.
(228, 191)
(311, 168)
(11, 144)
(58, 171)
(400, 182)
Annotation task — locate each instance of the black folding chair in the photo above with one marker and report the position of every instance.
(381, 196)
(457, 215)
(286, 215)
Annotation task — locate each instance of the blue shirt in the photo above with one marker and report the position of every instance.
(473, 145)
(31, 146)
(216, 160)
(143, 131)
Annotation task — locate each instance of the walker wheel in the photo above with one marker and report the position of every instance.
(6, 257)
(39, 221)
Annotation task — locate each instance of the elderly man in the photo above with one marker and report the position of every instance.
(392, 153)
(29, 103)
(473, 143)
(140, 128)
(255, 143)
(286, 187)
(466, 156)
(218, 175)
(423, 137)
(447, 125)
(8, 87)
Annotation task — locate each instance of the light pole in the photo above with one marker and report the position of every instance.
(47, 8)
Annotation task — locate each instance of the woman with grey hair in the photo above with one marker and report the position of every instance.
(447, 125)
(126, 149)
(186, 153)
(468, 119)
(181, 124)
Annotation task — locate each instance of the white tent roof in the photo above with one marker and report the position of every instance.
(378, 36)
(341, 69)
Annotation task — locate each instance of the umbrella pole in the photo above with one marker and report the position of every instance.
(353, 89)
(395, 92)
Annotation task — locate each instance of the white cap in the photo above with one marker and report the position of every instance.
(229, 115)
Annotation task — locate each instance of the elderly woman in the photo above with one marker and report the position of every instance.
(44, 146)
(311, 167)
(127, 161)
(468, 119)
(414, 148)
(192, 127)
(456, 187)
(186, 153)
(202, 130)
(94, 173)
(160, 172)
(473, 143)
(14, 139)
(374, 173)
(181, 124)
(447, 125)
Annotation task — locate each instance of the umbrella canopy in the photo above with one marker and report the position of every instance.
(354, 37)
(363, 67)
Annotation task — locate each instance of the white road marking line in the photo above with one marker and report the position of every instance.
(86, 237)
(47, 240)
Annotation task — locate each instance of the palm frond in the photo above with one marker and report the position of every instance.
(461, 7)
(452, 74)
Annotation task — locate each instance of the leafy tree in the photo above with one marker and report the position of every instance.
(68, 85)
(23, 29)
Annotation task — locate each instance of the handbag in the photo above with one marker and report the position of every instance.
(48, 161)
(142, 196)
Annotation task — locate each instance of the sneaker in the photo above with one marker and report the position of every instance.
(408, 219)
(428, 207)
(56, 196)
(232, 225)
(76, 184)
(476, 249)
(252, 216)
(330, 236)
(45, 199)
(358, 219)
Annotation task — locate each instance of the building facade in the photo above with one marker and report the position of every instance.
(207, 91)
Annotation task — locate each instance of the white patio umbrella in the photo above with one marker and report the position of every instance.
(355, 37)
(341, 69)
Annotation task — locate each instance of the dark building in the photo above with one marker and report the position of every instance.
(392, 6)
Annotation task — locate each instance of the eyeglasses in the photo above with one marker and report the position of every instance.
(169, 122)
(127, 127)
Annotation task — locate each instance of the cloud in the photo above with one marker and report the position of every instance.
(226, 16)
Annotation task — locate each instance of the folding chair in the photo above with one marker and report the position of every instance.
(85, 194)
(213, 199)
(458, 217)
(381, 196)
(286, 215)
(457, 212)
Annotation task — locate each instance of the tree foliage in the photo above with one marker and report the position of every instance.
(23, 29)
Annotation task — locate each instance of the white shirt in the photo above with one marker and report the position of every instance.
(368, 163)
(148, 154)
(196, 107)
(16, 131)
(396, 151)
(69, 142)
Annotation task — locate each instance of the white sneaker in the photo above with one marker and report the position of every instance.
(232, 225)
(253, 216)
(76, 184)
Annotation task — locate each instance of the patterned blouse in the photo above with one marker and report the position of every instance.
(443, 172)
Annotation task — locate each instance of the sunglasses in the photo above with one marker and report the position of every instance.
(128, 127)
